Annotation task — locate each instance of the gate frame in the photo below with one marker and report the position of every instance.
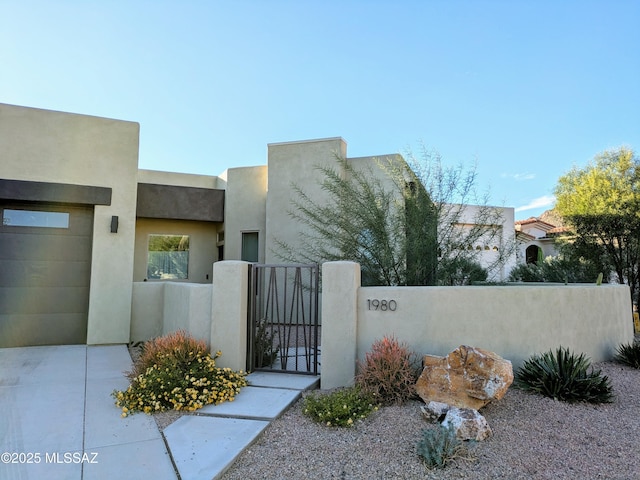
(257, 306)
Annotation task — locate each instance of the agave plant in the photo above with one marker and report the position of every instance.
(564, 376)
(629, 354)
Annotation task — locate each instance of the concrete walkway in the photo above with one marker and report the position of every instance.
(59, 420)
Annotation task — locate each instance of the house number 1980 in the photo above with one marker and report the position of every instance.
(382, 305)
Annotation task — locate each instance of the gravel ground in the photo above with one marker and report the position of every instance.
(533, 438)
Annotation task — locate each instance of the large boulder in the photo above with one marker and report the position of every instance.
(468, 377)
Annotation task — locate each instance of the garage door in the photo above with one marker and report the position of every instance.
(45, 268)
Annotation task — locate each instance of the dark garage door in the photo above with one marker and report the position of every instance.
(45, 268)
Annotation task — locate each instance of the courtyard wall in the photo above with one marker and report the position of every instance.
(514, 321)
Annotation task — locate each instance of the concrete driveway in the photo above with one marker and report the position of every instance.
(59, 421)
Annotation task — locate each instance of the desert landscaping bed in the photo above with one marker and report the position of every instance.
(533, 437)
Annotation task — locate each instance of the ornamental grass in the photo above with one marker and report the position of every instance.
(176, 372)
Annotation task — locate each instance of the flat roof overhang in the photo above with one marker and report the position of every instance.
(174, 202)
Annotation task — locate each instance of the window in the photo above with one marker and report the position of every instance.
(250, 246)
(168, 257)
(34, 218)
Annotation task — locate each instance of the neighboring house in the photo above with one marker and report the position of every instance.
(534, 238)
(495, 252)
(81, 222)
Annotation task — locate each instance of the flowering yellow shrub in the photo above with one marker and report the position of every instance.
(180, 379)
(340, 408)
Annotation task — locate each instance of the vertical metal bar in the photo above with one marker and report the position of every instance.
(284, 308)
(315, 294)
(291, 321)
(251, 304)
(302, 312)
(274, 298)
(286, 322)
(298, 300)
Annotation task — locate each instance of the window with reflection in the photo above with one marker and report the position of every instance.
(168, 257)
(34, 218)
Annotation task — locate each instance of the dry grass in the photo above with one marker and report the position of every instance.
(180, 345)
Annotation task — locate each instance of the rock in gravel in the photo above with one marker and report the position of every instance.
(534, 438)
(468, 377)
(434, 411)
(467, 423)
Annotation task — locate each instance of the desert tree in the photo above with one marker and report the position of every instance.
(406, 222)
(600, 203)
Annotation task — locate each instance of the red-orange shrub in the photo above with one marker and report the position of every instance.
(178, 349)
(389, 372)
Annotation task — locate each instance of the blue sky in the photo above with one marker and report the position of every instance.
(523, 89)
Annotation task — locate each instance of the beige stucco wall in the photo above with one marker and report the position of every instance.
(188, 307)
(49, 146)
(160, 308)
(202, 246)
(340, 281)
(245, 208)
(177, 179)
(147, 311)
(293, 163)
(513, 321)
(229, 312)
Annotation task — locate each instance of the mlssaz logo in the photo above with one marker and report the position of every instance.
(72, 457)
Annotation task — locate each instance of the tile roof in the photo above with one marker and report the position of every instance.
(531, 220)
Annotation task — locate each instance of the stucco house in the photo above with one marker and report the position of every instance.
(82, 224)
(536, 237)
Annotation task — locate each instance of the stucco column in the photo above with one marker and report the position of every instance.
(340, 283)
(229, 313)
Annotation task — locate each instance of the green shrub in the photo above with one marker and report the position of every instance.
(529, 272)
(264, 352)
(176, 372)
(439, 446)
(564, 376)
(340, 408)
(460, 271)
(389, 372)
(560, 269)
(629, 354)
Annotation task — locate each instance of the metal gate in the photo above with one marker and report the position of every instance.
(283, 327)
